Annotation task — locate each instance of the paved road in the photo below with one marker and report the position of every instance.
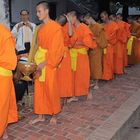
(81, 118)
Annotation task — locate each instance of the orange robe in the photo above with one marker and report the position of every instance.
(127, 29)
(119, 53)
(8, 60)
(96, 55)
(81, 76)
(134, 57)
(65, 71)
(47, 95)
(138, 57)
(138, 42)
(108, 57)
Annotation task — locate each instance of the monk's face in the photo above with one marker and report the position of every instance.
(42, 12)
(104, 17)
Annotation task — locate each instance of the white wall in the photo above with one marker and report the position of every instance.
(3, 18)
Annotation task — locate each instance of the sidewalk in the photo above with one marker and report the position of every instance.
(82, 118)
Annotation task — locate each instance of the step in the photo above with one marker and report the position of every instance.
(120, 122)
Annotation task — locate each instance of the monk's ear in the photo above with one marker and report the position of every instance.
(47, 10)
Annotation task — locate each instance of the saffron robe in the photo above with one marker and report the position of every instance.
(47, 95)
(120, 49)
(108, 57)
(96, 55)
(127, 29)
(135, 30)
(81, 76)
(65, 71)
(8, 61)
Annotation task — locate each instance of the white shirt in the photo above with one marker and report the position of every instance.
(24, 34)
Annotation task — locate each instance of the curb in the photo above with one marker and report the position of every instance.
(119, 123)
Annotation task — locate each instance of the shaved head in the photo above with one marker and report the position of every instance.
(104, 13)
(73, 13)
(62, 20)
(88, 19)
(112, 17)
(119, 16)
(42, 9)
(87, 16)
(44, 4)
(104, 16)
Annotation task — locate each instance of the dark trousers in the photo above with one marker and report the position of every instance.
(20, 88)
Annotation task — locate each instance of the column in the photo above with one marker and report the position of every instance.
(4, 12)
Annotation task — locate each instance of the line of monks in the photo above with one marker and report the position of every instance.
(67, 56)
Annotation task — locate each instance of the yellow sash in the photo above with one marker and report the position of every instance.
(105, 50)
(129, 45)
(40, 57)
(34, 46)
(5, 72)
(74, 54)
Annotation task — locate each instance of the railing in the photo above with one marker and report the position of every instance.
(86, 5)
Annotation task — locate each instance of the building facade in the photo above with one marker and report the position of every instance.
(57, 7)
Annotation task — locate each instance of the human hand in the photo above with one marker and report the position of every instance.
(67, 17)
(41, 66)
(37, 74)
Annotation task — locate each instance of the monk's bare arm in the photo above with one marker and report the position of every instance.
(70, 29)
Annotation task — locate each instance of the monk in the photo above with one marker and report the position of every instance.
(110, 28)
(133, 56)
(48, 57)
(79, 55)
(126, 27)
(65, 71)
(119, 51)
(112, 17)
(8, 61)
(96, 55)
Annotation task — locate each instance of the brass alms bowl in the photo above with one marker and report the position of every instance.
(27, 68)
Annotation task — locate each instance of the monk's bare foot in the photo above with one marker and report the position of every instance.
(5, 135)
(89, 97)
(92, 85)
(39, 119)
(73, 99)
(96, 87)
(53, 121)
